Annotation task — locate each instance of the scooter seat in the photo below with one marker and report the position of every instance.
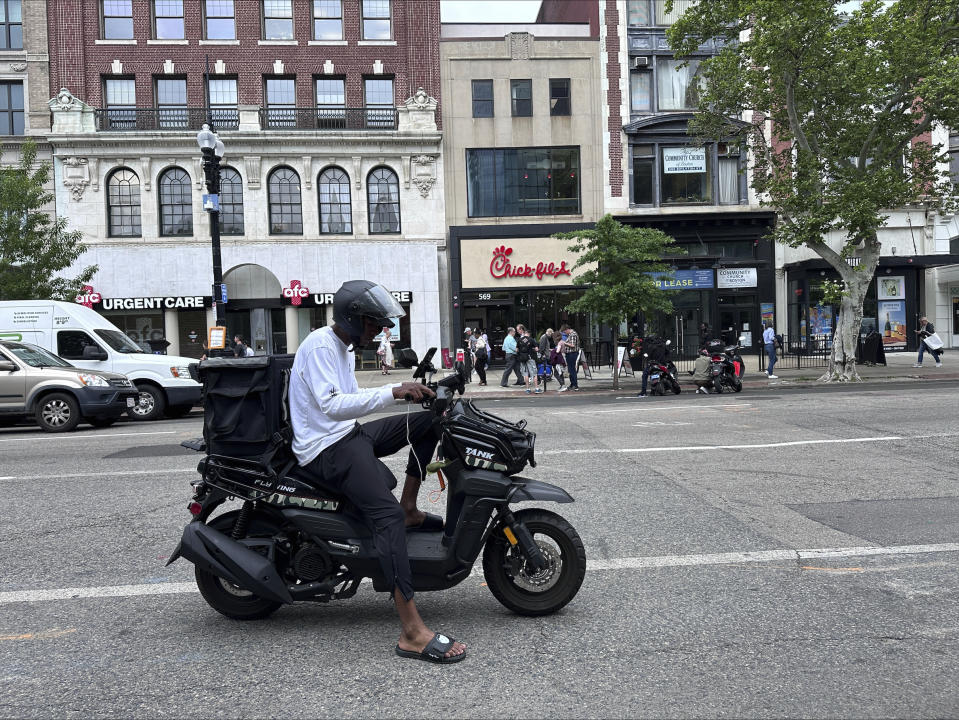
(304, 476)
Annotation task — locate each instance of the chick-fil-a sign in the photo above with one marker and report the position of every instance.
(501, 267)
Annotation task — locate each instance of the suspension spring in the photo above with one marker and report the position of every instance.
(242, 520)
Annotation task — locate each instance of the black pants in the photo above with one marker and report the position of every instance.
(481, 368)
(351, 468)
(512, 366)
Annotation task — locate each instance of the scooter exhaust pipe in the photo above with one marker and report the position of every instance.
(223, 556)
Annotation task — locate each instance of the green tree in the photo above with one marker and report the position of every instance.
(850, 88)
(618, 260)
(35, 247)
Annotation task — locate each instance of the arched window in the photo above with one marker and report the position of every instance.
(335, 215)
(383, 200)
(231, 202)
(286, 211)
(123, 203)
(176, 203)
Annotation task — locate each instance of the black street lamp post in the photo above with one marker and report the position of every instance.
(213, 150)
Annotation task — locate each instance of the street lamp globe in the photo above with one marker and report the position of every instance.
(219, 149)
(206, 138)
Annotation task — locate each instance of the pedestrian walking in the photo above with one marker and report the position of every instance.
(526, 357)
(509, 348)
(928, 342)
(769, 340)
(481, 357)
(558, 361)
(469, 346)
(385, 352)
(571, 354)
(240, 348)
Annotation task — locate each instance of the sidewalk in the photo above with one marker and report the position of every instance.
(898, 368)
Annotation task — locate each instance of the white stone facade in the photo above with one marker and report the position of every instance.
(155, 265)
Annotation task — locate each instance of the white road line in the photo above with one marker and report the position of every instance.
(84, 436)
(117, 473)
(688, 448)
(627, 563)
(647, 408)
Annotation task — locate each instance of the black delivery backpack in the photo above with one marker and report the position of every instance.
(245, 410)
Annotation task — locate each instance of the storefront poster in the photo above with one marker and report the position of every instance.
(768, 312)
(217, 338)
(891, 288)
(684, 160)
(820, 320)
(736, 277)
(892, 321)
(684, 280)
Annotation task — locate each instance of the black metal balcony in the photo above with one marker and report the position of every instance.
(327, 118)
(145, 119)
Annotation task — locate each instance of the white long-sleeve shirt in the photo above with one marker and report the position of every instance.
(769, 336)
(325, 400)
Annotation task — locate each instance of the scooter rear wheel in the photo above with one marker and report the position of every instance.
(222, 595)
(547, 591)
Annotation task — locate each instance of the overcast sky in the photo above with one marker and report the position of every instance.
(489, 10)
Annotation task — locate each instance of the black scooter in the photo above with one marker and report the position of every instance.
(293, 540)
(663, 377)
(727, 367)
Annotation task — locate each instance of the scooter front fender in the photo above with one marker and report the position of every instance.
(540, 491)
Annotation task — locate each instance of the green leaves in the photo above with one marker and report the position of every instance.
(619, 259)
(34, 246)
(847, 90)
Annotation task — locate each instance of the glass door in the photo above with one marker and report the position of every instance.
(737, 321)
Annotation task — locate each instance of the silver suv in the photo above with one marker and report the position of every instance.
(58, 395)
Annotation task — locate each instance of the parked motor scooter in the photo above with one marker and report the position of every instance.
(663, 376)
(726, 367)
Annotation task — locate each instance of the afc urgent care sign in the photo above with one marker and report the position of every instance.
(519, 262)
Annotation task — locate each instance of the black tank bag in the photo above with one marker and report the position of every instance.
(245, 413)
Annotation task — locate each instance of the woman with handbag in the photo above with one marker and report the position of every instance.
(385, 352)
(928, 340)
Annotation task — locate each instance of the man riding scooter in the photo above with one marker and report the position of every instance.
(343, 455)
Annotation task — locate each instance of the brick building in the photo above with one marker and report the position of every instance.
(329, 115)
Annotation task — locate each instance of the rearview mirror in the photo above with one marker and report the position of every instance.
(7, 366)
(94, 352)
(405, 358)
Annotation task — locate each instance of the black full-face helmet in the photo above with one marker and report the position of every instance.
(358, 299)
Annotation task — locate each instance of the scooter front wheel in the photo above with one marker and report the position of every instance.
(545, 592)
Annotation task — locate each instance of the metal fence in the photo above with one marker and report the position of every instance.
(324, 118)
(121, 119)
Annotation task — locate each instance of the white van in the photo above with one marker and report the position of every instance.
(82, 337)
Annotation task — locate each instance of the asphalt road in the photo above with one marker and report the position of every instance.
(712, 590)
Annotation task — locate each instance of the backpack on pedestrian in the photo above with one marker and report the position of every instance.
(524, 349)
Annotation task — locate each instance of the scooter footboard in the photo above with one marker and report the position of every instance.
(536, 490)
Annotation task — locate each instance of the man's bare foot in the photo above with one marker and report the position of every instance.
(418, 641)
(414, 518)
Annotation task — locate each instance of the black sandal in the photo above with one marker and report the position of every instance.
(434, 652)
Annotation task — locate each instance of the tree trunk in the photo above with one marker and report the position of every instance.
(614, 334)
(842, 357)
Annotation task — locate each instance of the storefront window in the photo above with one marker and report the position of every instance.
(522, 181)
(146, 329)
(192, 332)
(684, 176)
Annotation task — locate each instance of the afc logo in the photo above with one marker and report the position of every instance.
(296, 292)
(88, 298)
